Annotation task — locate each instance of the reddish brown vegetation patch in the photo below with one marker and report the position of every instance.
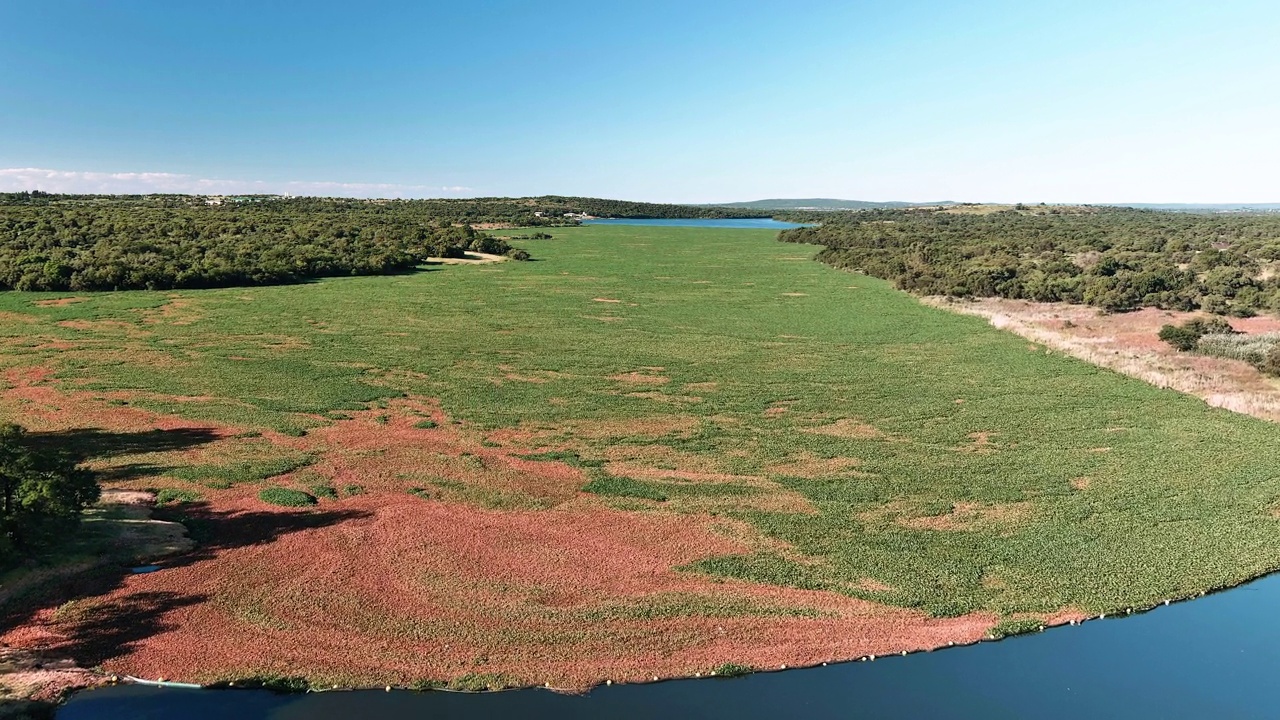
(387, 587)
(401, 590)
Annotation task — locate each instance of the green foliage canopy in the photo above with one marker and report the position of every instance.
(1113, 258)
(42, 493)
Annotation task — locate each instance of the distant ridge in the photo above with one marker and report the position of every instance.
(822, 204)
(1205, 207)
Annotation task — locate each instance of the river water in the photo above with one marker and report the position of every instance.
(740, 223)
(1214, 657)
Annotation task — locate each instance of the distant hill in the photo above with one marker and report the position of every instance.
(1206, 207)
(822, 204)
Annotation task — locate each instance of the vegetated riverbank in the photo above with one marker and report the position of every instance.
(655, 451)
(1128, 344)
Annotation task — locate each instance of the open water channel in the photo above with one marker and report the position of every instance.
(1214, 657)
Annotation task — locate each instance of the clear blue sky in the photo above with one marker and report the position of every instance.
(696, 101)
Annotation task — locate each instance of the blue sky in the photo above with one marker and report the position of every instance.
(692, 101)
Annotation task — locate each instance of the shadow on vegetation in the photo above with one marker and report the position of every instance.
(107, 629)
(85, 444)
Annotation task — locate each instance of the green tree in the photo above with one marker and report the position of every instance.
(42, 494)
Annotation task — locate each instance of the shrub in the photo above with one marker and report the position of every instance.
(732, 670)
(173, 496)
(1181, 339)
(286, 497)
(425, 424)
(321, 490)
(518, 254)
(1271, 361)
(1186, 337)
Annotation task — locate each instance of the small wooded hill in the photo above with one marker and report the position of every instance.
(1114, 258)
(95, 242)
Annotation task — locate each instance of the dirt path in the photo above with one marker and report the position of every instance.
(471, 258)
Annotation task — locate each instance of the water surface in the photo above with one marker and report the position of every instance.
(1217, 656)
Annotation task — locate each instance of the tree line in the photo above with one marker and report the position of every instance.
(1117, 259)
(166, 243)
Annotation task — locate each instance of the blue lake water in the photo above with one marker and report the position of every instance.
(1214, 657)
(746, 223)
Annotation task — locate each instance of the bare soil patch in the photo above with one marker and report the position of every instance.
(980, 443)
(962, 517)
(639, 378)
(851, 428)
(808, 465)
(59, 302)
(469, 258)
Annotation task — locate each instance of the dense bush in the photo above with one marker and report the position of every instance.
(42, 494)
(1186, 337)
(155, 244)
(1116, 259)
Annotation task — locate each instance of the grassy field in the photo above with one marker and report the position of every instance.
(881, 449)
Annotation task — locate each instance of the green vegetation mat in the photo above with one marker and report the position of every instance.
(927, 459)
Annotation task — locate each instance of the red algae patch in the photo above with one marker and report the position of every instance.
(495, 564)
(408, 590)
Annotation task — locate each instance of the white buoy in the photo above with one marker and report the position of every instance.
(608, 682)
(904, 653)
(655, 677)
(873, 657)
(784, 667)
(388, 688)
(697, 674)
